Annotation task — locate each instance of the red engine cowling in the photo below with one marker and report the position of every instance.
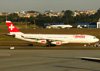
(42, 41)
(56, 42)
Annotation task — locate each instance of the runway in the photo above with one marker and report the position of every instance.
(42, 58)
(48, 60)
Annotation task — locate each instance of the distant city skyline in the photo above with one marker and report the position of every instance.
(42, 5)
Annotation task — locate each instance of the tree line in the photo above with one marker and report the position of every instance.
(67, 18)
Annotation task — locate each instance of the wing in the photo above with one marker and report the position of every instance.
(50, 40)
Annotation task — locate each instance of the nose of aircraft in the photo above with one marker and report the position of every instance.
(97, 40)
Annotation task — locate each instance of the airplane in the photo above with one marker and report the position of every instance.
(50, 39)
(60, 26)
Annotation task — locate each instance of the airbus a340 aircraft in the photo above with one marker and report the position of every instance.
(51, 39)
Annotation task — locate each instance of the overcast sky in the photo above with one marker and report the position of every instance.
(42, 5)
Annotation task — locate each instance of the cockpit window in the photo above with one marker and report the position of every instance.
(94, 37)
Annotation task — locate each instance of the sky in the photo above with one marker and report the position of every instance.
(42, 5)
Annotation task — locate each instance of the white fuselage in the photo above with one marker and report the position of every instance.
(63, 38)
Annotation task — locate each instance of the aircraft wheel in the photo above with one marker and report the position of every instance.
(30, 45)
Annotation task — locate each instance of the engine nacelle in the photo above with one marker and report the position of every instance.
(42, 41)
(56, 42)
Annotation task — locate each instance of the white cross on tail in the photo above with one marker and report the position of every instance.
(11, 27)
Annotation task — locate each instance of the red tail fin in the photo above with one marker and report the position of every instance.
(11, 27)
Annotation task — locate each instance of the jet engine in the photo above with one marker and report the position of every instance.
(56, 42)
(42, 41)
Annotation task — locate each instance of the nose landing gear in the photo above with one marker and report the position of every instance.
(96, 45)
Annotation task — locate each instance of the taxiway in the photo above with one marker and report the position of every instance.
(48, 60)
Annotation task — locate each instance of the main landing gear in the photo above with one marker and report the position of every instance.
(49, 44)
